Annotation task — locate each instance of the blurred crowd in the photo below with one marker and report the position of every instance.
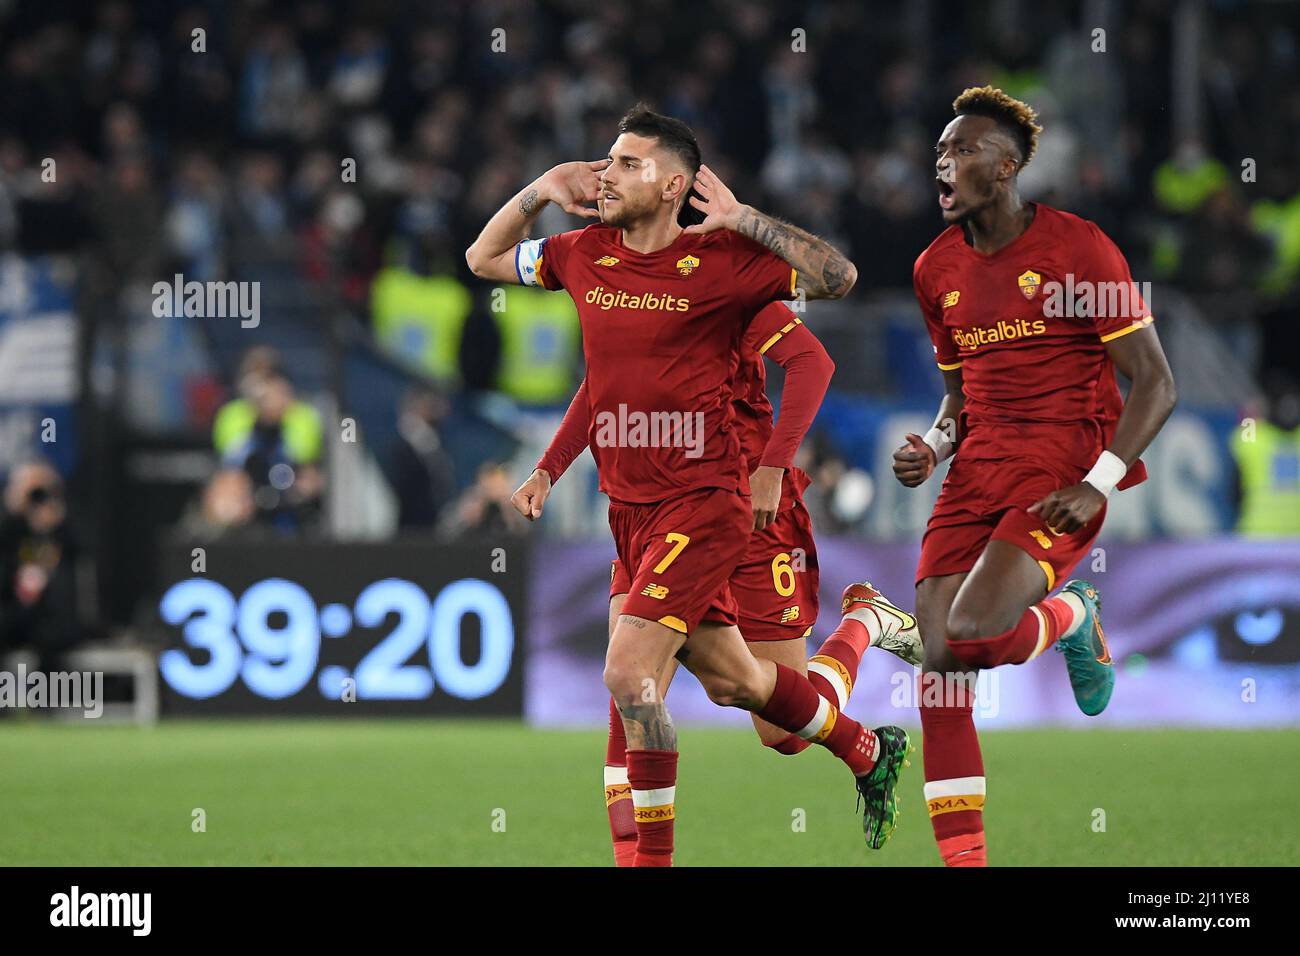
(270, 475)
(365, 145)
(42, 594)
(374, 140)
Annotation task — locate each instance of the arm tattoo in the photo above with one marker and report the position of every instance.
(528, 203)
(834, 274)
(826, 272)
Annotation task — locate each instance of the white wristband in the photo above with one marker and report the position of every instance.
(939, 441)
(1106, 473)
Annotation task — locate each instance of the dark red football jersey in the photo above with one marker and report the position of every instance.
(662, 336)
(1030, 338)
(754, 419)
(753, 408)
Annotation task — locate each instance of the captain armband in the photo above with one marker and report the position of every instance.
(528, 256)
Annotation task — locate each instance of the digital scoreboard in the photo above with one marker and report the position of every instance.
(333, 628)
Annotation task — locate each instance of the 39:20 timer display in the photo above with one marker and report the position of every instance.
(279, 660)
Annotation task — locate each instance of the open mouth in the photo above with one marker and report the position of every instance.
(947, 194)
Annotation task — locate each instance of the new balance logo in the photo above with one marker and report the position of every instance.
(607, 261)
(656, 591)
(950, 299)
(790, 614)
(1040, 538)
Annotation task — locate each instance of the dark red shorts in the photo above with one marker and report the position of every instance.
(774, 587)
(985, 500)
(680, 553)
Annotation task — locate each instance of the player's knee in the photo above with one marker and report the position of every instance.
(966, 642)
(938, 657)
(939, 646)
(962, 626)
(726, 690)
(623, 682)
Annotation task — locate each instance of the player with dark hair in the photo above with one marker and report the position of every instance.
(1039, 433)
(663, 311)
(776, 584)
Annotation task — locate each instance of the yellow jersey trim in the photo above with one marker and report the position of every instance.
(1129, 328)
(777, 337)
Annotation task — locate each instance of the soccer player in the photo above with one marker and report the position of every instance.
(1039, 434)
(663, 309)
(776, 583)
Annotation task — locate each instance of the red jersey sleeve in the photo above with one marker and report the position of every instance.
(945, 351)
(541, 261)
(1118, 305)
(777, 333)
(761, 276)
(570, 438)
(769, 325)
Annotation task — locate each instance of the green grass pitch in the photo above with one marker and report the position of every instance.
(412, 792)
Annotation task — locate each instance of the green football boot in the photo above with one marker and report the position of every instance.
(877, 788)
(1087, 658)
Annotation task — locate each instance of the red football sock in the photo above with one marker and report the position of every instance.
(618, 792)
(1039, 628)
(796, 706)
(653, 776)
(834, 667)
(789, 745)
(954, 773)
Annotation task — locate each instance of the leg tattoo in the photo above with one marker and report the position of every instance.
(648, 725)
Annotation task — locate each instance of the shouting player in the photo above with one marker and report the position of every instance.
(775, 586)
(663, 310)
(1039, 434)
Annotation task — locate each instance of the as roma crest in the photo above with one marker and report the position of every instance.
(1029, 283)
(687, 264)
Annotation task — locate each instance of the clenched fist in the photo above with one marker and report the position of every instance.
(531, 496)
(914, 462)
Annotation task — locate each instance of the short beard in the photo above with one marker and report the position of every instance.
(624, 217)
